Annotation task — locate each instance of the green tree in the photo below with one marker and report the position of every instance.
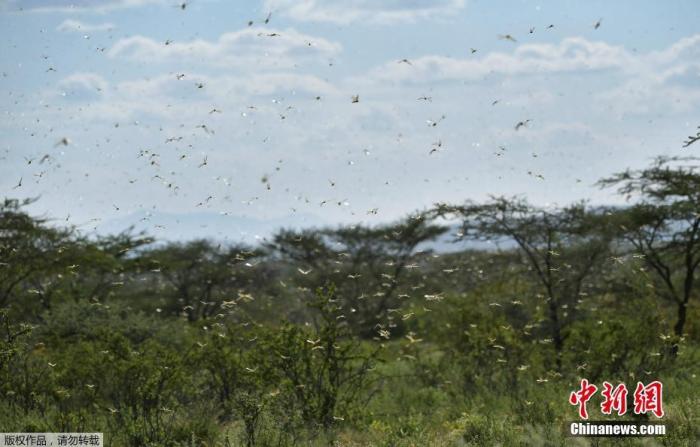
(199, 275)
(365, 264)
(30, 251)
(325, 372)
(561, 247)
(663, 226)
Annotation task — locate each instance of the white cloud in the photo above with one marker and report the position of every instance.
(63, 6)
(635, 84)
(686, 49)
(242, 86)
(75, 6)
(86, 81)
(251, 46)
(666, 80)
(164, 97)
(78, 90)
(640, 83)
(76, 26)
(649, 93)
(572, 54)
(372, 11)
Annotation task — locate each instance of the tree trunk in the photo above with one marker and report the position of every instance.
(678, 327)
(556, 332)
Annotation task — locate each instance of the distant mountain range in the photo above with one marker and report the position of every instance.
(178, 227)
(188, 226)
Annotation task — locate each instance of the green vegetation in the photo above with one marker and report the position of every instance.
(356, 335)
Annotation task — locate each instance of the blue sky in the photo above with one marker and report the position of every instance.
(144, 91)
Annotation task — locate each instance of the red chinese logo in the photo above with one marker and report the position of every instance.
(582, 396)
(647, 398)
(615, 399)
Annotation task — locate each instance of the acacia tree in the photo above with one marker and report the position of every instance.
(201, 275)
(377, 260)
(562, 247)
(366, 264)
(664, 226)
(30, 250)
(93, 269)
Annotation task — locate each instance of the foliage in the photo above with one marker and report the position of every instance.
(663, 226)
(357, 335)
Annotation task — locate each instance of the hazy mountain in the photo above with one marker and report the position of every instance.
(187, 226)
